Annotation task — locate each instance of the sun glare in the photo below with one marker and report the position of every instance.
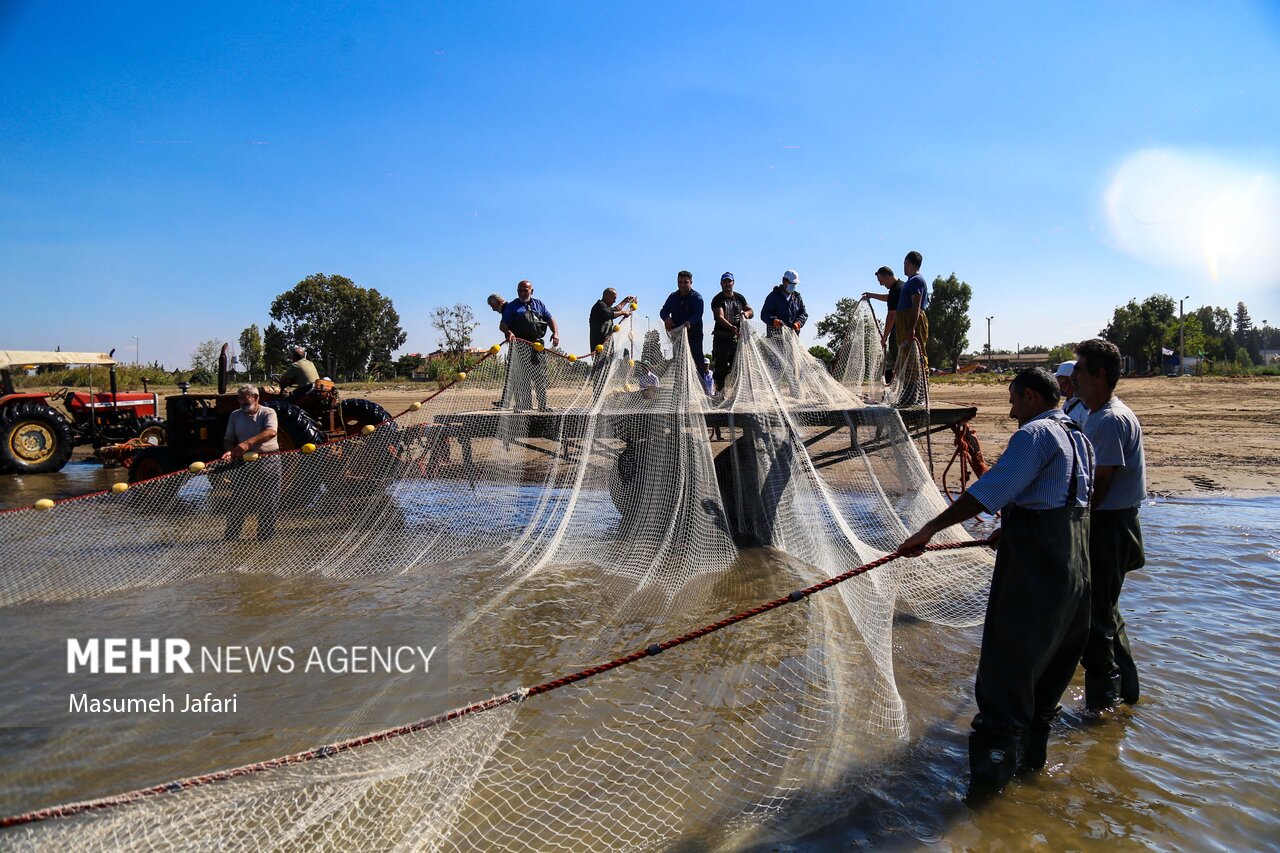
(1183, 209)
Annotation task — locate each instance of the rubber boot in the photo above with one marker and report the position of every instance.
(1128, 682)
(1035, 746)
(1101, 692)
(991, 765)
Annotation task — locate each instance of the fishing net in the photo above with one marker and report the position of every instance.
(562, 511)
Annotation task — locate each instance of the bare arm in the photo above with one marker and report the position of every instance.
(235, 451)
(555, 332)
(881, 297)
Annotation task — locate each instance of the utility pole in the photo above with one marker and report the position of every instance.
(137, 348)
(1182, 339)
(989, 319)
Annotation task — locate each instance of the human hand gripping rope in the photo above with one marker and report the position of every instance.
(519, 695)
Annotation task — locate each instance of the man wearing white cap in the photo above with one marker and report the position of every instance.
(1073, 407)
(784, 306)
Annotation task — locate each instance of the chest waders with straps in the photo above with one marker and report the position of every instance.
(1036, 625)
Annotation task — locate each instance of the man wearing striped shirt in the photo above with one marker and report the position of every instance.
(1037, 618)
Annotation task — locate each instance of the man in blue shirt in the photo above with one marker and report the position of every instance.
(1037, 618)
(524, 321)
(784, 306)
(1115, 546)
(683, 308)
(912, 321)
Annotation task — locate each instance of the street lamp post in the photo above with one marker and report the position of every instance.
(989, 319)
(1182, 339)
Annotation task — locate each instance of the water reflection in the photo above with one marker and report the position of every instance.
(1195, 765)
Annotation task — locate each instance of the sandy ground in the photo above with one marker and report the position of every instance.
(1201, 435)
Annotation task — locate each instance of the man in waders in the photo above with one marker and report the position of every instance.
(1037, 618)
(1115, 544)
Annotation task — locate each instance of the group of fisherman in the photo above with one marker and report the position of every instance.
(1067, 488)
(528, 318)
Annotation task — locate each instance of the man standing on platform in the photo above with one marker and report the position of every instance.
(684, 307)
(1115, 546)
(728, 309)
(912, 321)
(784, 306)
(604, 313)
(528, 319)
(888, 335)
(1037, 618)
(497, 304)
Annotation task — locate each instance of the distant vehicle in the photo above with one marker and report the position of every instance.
(36, 438)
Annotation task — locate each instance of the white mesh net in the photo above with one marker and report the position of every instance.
(558, 539)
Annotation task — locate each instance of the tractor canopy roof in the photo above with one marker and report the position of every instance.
(21, 359)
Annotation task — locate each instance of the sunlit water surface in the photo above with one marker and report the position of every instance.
(1195, 765)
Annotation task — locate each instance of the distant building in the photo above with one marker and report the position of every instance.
(1004, 361)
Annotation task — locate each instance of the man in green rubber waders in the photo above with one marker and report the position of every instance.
(1038, 611)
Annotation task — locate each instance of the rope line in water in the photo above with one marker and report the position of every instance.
(86, 806)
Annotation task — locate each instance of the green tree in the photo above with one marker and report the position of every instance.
(1138, 329)
(1219, 345)
(345, 328)
(823, 355)
(274, 343)
(835, 326)
(455, 326)
(407, 364)
(948, 320)
(1192, 335)
(204, 358)
(1061, 353)
(1243, 325)
(251, 349)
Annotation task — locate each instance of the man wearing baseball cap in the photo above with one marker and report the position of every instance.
(1073, 407)
(784, 306)
(728, 310)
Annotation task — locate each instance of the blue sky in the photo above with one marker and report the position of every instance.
(165, 172)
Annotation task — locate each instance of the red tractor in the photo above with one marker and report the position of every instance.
(36, 438)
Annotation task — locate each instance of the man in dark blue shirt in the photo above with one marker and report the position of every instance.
(684, 308)
(525, 320)
(784, 306)
(912, 322)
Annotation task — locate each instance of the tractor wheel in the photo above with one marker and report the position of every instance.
(295, 427)
(152, 462)
(34, 439)
(357, 413)
(151, 430)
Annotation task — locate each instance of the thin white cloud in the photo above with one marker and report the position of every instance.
(1195, 210)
